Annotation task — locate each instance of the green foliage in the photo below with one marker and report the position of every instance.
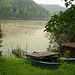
(19, 53)
(0, 53)
(0, 32)
(21, 9)
(60, 26)
(1, 35)
(68, 2)
(67, 54)
(21, 66)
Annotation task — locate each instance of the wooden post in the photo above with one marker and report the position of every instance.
(8, 53)
(26, 47)
(12, 46)
(17, 46)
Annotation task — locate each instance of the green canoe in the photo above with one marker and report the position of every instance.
(44, 64)
(67, 59)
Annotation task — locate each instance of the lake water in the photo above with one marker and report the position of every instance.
(22, 34)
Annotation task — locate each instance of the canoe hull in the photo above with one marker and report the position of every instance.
(67, 59)
(44, 64)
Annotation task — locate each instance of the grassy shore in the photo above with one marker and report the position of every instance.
(20, 66)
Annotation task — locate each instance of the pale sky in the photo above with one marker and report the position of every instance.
(59, 2)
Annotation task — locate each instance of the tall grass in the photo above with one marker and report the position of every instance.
(20, 66)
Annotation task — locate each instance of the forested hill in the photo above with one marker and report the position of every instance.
(22, 9)
(53, 9)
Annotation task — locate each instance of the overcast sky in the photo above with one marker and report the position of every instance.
(59, 2)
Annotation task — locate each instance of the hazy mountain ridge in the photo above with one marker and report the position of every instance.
(52, 8)
(21, 9)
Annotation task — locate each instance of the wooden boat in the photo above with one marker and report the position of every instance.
(44, 64)
(67, 59)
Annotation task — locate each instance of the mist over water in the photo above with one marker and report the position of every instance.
(22, 32)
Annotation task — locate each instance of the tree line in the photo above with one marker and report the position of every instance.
(21, 9)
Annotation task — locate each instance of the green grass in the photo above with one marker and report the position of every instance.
(20, 66)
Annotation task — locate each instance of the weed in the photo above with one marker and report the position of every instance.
(20, 66)
(67, 54)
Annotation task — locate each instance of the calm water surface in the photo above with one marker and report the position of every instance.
(18, 33)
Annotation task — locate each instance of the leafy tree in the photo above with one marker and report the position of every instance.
(68, 2)
(21, 9)
(62, 26)
(17, 12)
(10, 12)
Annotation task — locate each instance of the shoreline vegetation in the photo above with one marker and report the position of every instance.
(20, 66)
